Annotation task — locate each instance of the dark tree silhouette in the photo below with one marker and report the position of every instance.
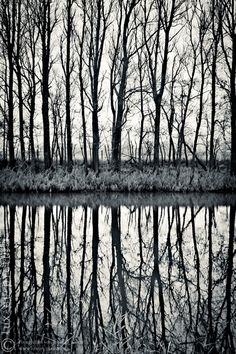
(80, 50)
(46, 26)
(8, 16)
(122, 66)
(47, 314)
(68, 67)
(165, 16)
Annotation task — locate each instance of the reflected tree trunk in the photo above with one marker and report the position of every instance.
(140, 238)
(22, 273)
(13, 329)
(228, 341)
(95, 313)
(157, 274)
(68, 274)
(82, 276)
(170, 216)
(182, 267)
(116, 242)
(210, 338)
(47, 314)
(197, 265)
(34, 284)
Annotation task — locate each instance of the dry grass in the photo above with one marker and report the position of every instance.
(129, 180)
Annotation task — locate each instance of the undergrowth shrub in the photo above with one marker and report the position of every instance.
(168, 180)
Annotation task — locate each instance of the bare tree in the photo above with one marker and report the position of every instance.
(171, 115)
(98, 22)
(186, 94)
(18, 68)
(163, 15)
(118, 79)
(47, 316)
(228, 35)
(142, 99)
(68, 66)
(46, 26)
(58, 134)
(203, 26)
(80, 50)
(215, 49)
(8, 13)
(4, 103)
(30, 73)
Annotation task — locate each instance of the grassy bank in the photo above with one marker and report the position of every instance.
(129, 180)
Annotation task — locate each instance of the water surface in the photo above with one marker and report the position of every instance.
(118, 274)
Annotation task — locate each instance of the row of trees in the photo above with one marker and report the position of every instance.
(102, 71)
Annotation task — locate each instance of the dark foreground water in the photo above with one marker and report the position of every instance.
(117, 274)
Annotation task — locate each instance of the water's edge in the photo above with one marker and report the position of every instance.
(117, 199)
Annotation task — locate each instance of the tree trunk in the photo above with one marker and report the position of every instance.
(47, 315)
(96, 51)
(83, 118)
(81, 81)
(10, 53)
(116, 245)
(31, 123)
(116, 151)
(12, 275)
(10, 133)
(19, 80)
(68, 83)
(213, 108)
(116, 138)
(199, 120)
(95, 154)
(46, 36)
(213, 85)
(68, 275)
(141, 136)
(233, 107)
(156, 160)
(21, 114)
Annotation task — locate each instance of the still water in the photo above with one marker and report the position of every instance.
(117, 274)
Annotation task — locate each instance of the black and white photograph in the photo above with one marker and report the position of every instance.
(118, 176)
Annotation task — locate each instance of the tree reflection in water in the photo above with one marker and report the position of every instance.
(120, 280)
